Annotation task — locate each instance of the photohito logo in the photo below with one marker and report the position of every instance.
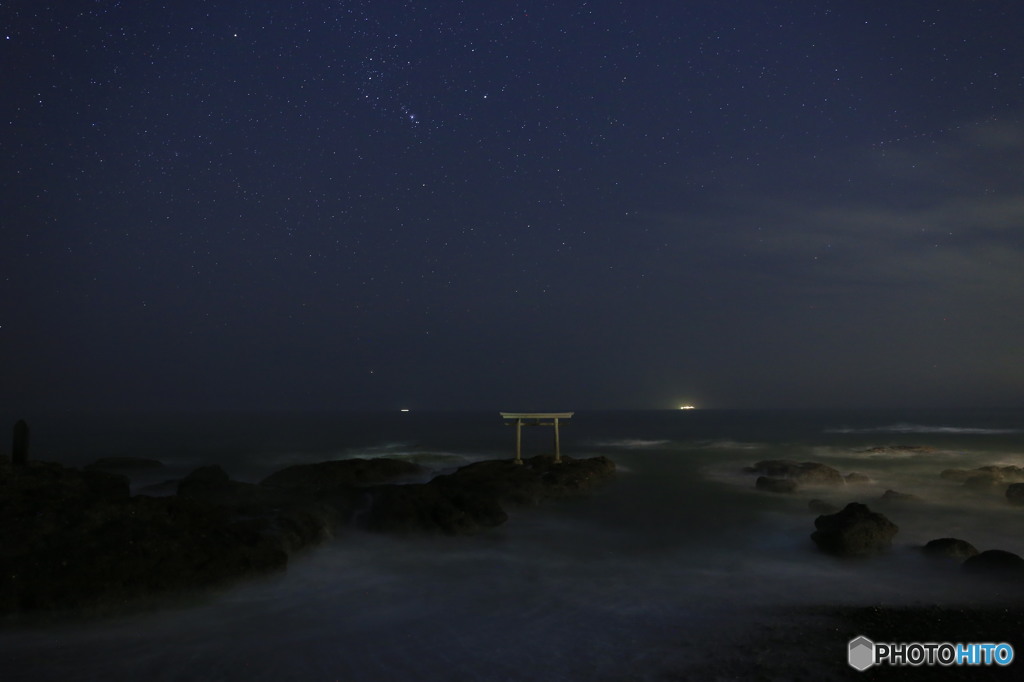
(863, 653)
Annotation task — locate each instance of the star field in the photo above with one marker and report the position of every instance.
(518, 204)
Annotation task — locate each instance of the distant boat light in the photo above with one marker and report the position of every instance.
(405, 409)
(687, 407)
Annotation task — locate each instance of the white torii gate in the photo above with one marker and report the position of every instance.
(521, 419)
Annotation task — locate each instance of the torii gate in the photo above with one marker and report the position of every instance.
(522, 419)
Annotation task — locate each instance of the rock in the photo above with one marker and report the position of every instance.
(986, 477)
(804, 473)
(775, 485)
(854, 532)
(1015, 493)
(822, 507)
(983, 482)
(855, 477)
(894, 496)
(75, 540)
(996, 563)
(118, 464)
(949, 548)
(431, 508)
(325, 476)
(212, 485)
(470, 500)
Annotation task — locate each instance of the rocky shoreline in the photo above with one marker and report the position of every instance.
(76, 541)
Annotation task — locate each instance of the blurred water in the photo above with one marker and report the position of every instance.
(640, 577)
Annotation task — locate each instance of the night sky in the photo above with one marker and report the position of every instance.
(318, 204)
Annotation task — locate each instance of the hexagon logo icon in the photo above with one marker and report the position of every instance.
(862, 653)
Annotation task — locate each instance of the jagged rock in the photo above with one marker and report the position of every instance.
(325, 476)
(996, 563)
(1015, 493)
(853, 532)
(775, 485)
(804, 473)
(949, 548)
(822, 507)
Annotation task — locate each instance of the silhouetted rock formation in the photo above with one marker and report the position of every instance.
(996, 563)
(1015, 493)
(949, 548)
(471, 499)
(855, 531)
(77, 540)
(345, 473)
(804, 473)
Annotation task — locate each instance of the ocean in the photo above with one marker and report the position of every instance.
(641, 578)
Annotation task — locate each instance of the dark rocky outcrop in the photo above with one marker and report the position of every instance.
(804, 473)
(986, 478)
(855, 477)
(949, 548)
(472, 498)
(855, 531)
(76, 540)
(346, 473)
(1015, 493)
(996, 563)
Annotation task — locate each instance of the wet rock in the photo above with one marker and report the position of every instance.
(856, 531)
(890, 496)
(326, 476)
(1015, 493)
(983, 482)
(212, 485)
(949, 548)
(471, 499)
(804, 473)
(996, 563)
(855, 477)
(75, 540)
(775, 485)
(822, 507)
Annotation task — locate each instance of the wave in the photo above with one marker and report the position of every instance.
(630, 443)
(925, 428)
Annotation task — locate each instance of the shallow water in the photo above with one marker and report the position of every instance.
(641, 577)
